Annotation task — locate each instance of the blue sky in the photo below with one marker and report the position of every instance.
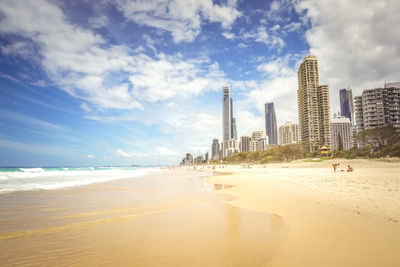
(139, 82)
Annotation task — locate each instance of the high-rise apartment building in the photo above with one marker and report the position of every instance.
(346, 104)
(391, 101)
(378, 107)
(215, 149)
(359, 116)
(289, 133)
(244, 145)
(313, 105)
(226, 113)
(341, 130)
(270, 124)
(259, 140)
(231, 147)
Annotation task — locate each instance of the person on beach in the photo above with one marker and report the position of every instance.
(349, 168)
(335, 165)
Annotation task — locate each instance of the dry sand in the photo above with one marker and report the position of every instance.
(334, 219)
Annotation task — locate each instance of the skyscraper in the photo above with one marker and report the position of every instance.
(215, 149)
(234, 130)
(226, 113)
(313, 105)
(346, 104)
(270, 124)
(244, 145)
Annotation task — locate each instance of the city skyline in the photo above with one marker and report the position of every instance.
(117, 83)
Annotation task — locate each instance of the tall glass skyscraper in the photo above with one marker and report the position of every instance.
(226, 113)
(346, 104)
(234, 129)
(270, 124)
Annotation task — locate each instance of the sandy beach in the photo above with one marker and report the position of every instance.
(334, 218)
(166, 218)
(289, 214)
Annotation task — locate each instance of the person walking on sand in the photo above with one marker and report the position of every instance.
(349, 168)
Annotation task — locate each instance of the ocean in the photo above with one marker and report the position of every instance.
(23, 179)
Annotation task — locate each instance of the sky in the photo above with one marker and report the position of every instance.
(118, 82)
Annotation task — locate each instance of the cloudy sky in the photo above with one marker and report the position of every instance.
(116, 82)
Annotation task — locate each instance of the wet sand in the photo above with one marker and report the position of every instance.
(334, 219)
(168, 218)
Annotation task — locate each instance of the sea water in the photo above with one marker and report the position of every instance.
(21, 179)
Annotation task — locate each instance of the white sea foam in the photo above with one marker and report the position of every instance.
(32, 169)
(60, 178)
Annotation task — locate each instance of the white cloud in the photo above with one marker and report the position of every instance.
(356, 42)
(292, 27)
(98, 22)
(174, 76)
(163, 151)
(91, 156)
(271, 40)
(71, 56)
(20, 48)
(86, 107)
(40, 83)
(180, 17)
(81, 62)
(160, 151)
(9, 77)
(130, 155)
(228, 35)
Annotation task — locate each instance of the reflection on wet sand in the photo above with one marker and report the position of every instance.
(222, 186)
(178, 226)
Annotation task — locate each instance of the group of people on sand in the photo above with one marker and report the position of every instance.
(335, 165)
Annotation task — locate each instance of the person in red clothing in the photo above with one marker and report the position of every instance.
(349, 168)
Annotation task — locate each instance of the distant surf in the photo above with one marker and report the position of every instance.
(21, 179)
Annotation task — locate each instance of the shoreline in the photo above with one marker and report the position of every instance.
(334, 219)
(168, 218)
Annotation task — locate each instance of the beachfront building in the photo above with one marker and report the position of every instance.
(289, 133)
(378, 107)
(226, 113)
(187, 160)
(341, 132)
(270, 123)
(313, 106)
(215, 149)
(347, 104)
(198, 160)
(359, 116)
(262, 144)
(231, 147)
(244, 145)
(259, 140)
